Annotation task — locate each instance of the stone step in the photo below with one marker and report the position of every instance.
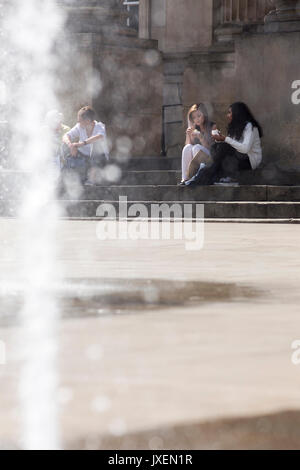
(150, 177)
(165, 187)
(261, 176)
(151, 163)
(176, 193)
(212, 209)
(10, 180)
(11, 187)
(266, 174)
(147, 177)
(172, 177)
(196, 193)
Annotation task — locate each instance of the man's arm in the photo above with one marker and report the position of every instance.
(88, 141)
(67, 139)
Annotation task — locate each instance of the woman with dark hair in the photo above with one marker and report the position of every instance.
(240, 150)
(198, 141)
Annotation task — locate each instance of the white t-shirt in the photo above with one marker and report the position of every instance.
(78, 132)
(249, 144)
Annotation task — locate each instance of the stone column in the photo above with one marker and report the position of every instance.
(234, 17)
(285, 11)
(144, 19)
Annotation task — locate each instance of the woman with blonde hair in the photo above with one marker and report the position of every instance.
(198, 141)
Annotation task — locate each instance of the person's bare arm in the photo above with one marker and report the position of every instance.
(206, 139)
(189, 138)
(72, 147)
(66, 139)
(90, 140)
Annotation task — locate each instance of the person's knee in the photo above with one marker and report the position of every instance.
(196, 149)
(187, 153)
(220, 151)
(230, 164)
(187, 148)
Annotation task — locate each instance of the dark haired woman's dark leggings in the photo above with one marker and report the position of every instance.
(226, 162)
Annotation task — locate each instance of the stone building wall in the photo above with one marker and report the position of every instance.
(258, 66)
(189, 51)
(268, 65)
(234, 55)
(180, 28)
(109, 66)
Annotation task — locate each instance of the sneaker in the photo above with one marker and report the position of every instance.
(182, 183)
(191, 182)
(226, 184)
(194, 180)
(227, 181)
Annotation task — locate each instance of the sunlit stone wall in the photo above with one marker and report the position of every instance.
(120, 74)
(262, 68)
(222, 51)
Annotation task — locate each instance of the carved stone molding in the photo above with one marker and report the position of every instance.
(286, 10)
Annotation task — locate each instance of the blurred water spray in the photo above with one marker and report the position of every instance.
(30, 30)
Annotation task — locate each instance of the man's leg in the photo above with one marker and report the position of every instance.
(96, 163)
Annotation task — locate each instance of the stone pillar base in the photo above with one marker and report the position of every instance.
(286, 10)
(228, 32)
(281, 27)
(285, 18)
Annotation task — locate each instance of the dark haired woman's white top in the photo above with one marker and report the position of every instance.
(249, 144)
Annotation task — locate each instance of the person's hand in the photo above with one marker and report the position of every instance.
(189, 131)
(78, 144)
(73, 149)
(219, 137)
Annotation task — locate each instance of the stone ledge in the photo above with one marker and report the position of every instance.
(263, 210)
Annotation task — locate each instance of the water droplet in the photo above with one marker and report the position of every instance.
(94, 352)
(117, 427)
(101, 404)
(152, 58)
